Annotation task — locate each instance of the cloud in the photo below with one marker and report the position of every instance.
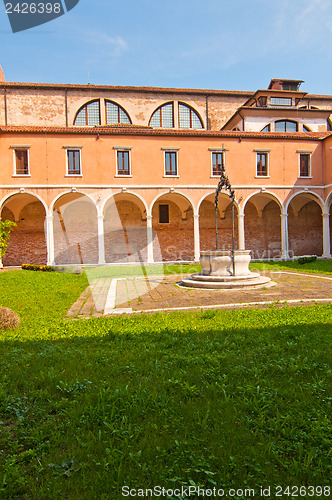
(114, 46)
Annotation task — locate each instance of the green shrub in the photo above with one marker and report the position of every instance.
(8, 319)
(306, 260)
(37, 267)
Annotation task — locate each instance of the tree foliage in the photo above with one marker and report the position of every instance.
(5, 228)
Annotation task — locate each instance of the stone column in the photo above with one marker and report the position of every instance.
(196, 238)
(240, 219)
(149, 233)
(101, 240)
(50, 240)
(284, 236)
(326, 236)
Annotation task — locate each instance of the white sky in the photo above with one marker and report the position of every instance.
(216, 44)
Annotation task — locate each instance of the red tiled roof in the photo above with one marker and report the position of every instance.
(122, 88)
(148, 131)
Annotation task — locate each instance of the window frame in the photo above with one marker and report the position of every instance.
(192, 112)
(85, 106)
(266, 153)
(121, 150)
(159, 214)
(309, 155)
(171, 152)
(120, 108)
(217, 152)
(159, 109)
(281, 101)
(17, 173)
(286, 131)
(69, 149)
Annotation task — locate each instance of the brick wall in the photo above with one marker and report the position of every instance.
(305, 230)
(263, 234)
(75, 234)
(125, 233)
(27, 243)
(207, 227)
(176, 239)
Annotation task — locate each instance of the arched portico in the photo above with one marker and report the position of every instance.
(305, 224)
(207, 223)
(75, 229)
(263, 226)
(28, 242)
(125, 228)
(173, 224)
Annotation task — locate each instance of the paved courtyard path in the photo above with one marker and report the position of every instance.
(133, 295)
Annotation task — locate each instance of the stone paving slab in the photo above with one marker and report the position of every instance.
(163, 293)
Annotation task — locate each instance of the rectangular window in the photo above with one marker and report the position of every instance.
(21, 162)
(217, 163)
(305, 163)
(262, 164)
(123, 162)
(281, 101)
(74, 161)
(163, 214)
(171, 163)
(262, 102)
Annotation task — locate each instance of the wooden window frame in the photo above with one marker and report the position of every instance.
(308, 154)
(171, 152)
(70, 149)
(122, 152)
(258, 170)
(160, 215)
(26, 169)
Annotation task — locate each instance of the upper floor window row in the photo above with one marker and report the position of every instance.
(164, 117)
(264, 101)
(90, 114)
(285, 126)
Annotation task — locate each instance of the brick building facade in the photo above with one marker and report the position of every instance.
(100, 174)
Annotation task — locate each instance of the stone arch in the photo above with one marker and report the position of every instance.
(75, 229)
(175, 237)
(125, 228)
(262, 225)
(305, 225)
(27, 242)
(328, 210)
(207, 222)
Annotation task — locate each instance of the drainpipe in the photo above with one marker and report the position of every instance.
(6, 120)
(66, 106)
(207, 111)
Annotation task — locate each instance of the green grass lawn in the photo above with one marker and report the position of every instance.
(225, 399)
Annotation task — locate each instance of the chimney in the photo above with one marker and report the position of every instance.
(2, 76)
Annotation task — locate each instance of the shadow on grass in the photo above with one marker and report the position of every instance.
(229, 399)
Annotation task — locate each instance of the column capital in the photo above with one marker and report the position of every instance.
(196, 216)
(149, 217)
(284, 216)
(325, 215)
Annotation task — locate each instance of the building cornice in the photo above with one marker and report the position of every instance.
(154, 132)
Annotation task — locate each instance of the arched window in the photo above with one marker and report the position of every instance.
(267, 128)
(88, 115)
(115, 114)
(188, 118)
(163, 116)
(286, 126)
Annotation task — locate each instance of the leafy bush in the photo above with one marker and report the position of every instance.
(8, 319)
(306, 260)
(5, 228)
(36, 267)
